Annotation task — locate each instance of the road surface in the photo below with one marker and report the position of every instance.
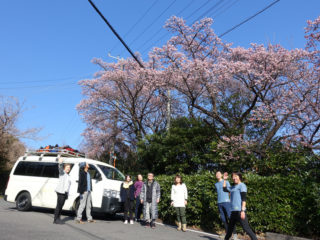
(37, 225)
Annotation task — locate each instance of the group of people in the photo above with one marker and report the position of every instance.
(146, 196)
(84, 189)
(143, 197)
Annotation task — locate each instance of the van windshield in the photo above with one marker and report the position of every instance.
(112, 173)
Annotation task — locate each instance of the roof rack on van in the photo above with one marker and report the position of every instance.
(53, 152)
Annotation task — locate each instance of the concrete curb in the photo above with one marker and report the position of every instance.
(276, 236)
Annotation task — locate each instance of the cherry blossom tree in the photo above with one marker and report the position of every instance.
(253, 95)
(313, 38)
(121, 103)
(250, 96)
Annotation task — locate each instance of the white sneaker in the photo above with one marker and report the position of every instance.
(235, 237)
(126, 222)
(131, 221)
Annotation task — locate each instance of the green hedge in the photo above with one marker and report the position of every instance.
(288, 205)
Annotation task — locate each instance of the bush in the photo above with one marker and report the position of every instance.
(4, 175)
(288, 205)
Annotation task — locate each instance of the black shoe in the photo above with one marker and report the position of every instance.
(57, 221)
(146, 224)
(152, 224)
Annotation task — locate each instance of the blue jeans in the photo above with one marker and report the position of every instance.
(225, 214)
(225, 211)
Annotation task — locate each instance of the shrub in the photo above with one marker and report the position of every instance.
(282, 204)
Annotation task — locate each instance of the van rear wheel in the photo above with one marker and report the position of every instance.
(23, 202)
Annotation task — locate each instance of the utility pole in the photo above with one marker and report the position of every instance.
(168, 110)
(113, 157)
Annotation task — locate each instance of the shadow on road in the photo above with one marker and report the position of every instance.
(71, 216)
(210, 238)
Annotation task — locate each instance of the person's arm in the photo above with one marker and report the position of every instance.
(121, 192)
(185, 195)
(142, 193)
(135, 190)
(158, 192)
(225, 186)
(81, 182)
(60, 167)
(172, 195)
(243, 194)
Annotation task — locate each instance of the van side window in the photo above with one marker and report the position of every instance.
(50, 170)
(111, 173)
(28, 169)
(93, 171)
(38, 169)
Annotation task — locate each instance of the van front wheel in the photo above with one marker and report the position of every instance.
(23, 202)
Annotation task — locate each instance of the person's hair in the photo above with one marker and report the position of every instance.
(151, 173)
(175, 179)
(127, 177)
(239, 174)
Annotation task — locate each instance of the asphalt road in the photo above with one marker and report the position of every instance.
(37, 225)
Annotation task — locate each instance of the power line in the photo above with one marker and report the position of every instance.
(153, 22)
(136, 23)
(39, 86)
(209, 10)
(227, 6)
(248, 19)
(236, 26)
(153, 36)
(48, 80)
(198, 9)
(115, 33)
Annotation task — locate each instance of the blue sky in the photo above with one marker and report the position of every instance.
(46, 47)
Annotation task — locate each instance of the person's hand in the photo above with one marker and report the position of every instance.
(243, 215)
(225, 176)
(185, 202)
(141, 201)
(158, 200)
(171, 203)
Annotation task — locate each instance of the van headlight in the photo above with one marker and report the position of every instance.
(111, 193)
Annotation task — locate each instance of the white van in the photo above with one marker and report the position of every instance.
(34, 178)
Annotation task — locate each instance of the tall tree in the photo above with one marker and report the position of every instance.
(10, 145)
(121, 103)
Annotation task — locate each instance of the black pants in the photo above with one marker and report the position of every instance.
(138, 209)
(234, 218)
(60, 202)
(128, 208)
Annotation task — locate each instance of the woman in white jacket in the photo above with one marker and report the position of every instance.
(179, 197)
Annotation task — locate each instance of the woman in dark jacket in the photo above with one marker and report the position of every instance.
(127, 197)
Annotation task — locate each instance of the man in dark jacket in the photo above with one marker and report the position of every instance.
(150, 197)
(85, 189)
